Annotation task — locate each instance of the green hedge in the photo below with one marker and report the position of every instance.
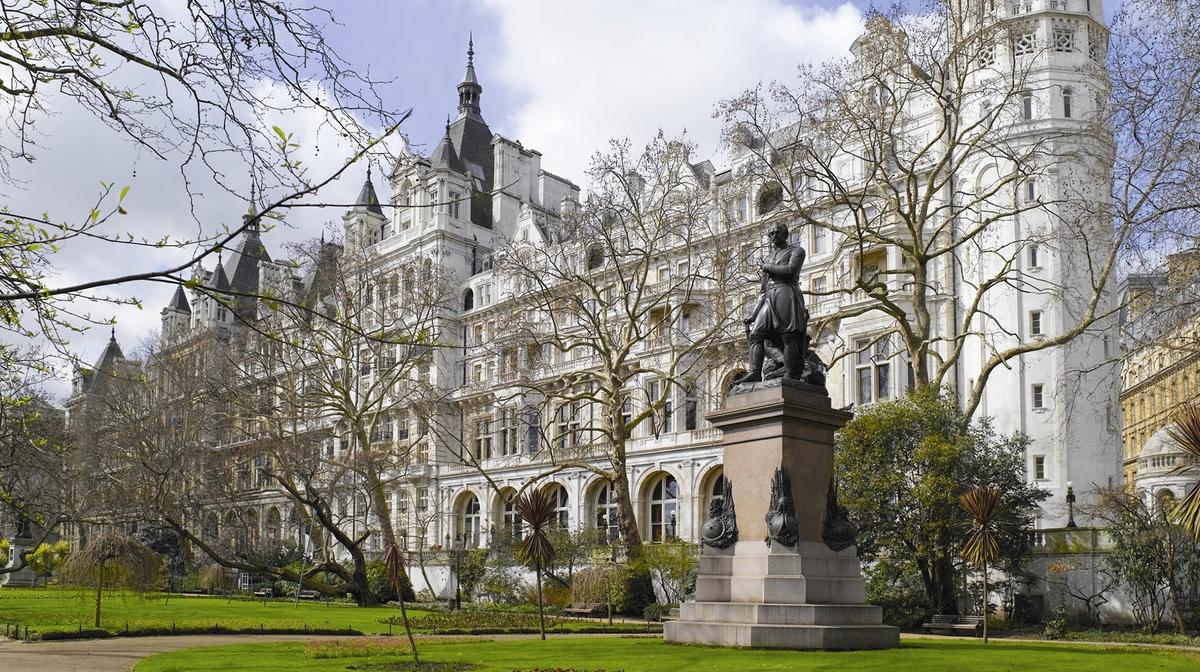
(92, 633)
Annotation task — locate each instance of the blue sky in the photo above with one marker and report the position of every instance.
(562, 76)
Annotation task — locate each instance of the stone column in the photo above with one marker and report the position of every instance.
(751, 593)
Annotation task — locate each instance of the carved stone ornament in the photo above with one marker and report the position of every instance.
(781, 515)
(838, 532)
(720, 530)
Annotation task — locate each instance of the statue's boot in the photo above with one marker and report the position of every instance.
(757, 352)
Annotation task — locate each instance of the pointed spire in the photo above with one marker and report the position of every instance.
(367, 198)
(251, 212)
(179, 302)
(469, 89)
(112, 335)
(444, 157)
(219, 280)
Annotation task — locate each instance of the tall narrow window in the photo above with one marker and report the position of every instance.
(1034, 256)
(1035, 322)
(820, 238)
(606, 512)
(469, 521)
(1030, 190)
(452, 206)
(562, 508)
(1027, 105)
(664, 507)
(1066, 102)
(873, 370)
(512, 522)
(1039, 396)
(1039, 467)
(691, 409)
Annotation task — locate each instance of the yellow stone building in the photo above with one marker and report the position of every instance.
(1161, 360)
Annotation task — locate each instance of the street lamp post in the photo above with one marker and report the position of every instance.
(1070, 505)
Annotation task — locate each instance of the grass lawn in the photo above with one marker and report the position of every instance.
(47, 610)
(602, 654)
(52, 609)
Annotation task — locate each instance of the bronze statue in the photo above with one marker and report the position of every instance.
(779, 321)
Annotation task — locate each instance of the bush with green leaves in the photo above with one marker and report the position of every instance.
(895, 585)
(380, 584)
(901, 467)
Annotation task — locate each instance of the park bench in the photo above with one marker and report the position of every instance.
(954, 624)
(585, 609)
(309, 594)
(263, 593)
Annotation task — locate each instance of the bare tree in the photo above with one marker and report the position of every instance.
(204, 86)
(316, 405)
(619, 311)
(923, 163)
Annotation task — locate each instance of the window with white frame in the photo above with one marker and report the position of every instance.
(1039, 467)
(1027, 105)
(452, 206)
(1030, 188)
(512, 521)
(606, 512)
(470, 521)
(562, 506)
(1035, 260)
(820, 240)
(1038, 395)
(819, 287)
(1068, 99)
(691, 408)
(508, 432)
(664, 508)
(873, 370)
(483, 438)
(1035, 323)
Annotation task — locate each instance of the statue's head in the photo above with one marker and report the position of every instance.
(778, 234)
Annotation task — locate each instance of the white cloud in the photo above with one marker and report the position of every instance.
(590, 71)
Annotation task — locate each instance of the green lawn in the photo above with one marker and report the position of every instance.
(46, 610)
(598, 654)
(53, 609)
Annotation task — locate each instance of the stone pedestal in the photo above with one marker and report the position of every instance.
(806, 596)
(24, 577)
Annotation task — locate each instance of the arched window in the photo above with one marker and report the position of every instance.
(212, 528)
(716, 491)
(274, 524)
(769, 198)
(606, 511)
(512, 522)
(469, 520)
(562, 511)
(664, 508)
(595, 258)
(468, 299)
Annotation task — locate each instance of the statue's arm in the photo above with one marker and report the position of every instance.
(794, 263)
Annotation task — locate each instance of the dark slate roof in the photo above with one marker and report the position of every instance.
(218, 280)
(367, 198)
(179, 301)
(472, 140)
(111, 355)
(444, 156)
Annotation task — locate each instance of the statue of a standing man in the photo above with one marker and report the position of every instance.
(779, 316)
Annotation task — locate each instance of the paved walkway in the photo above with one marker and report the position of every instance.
(118, 654)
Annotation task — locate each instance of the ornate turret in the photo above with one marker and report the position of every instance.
(469, 89)
(176, 317)
(367, 198)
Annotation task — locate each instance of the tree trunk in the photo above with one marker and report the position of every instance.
(985, 603)
(99, 591)
(412, 643)
(537, 576)
(940, 588)
(626, 518)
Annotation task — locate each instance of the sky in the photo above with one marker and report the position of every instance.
(561, 76)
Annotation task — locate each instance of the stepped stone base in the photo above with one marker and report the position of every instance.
(804, 597)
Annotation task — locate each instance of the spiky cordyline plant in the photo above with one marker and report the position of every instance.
(536, 508)
(984, 505)
(1186, 433)
(393, 562)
